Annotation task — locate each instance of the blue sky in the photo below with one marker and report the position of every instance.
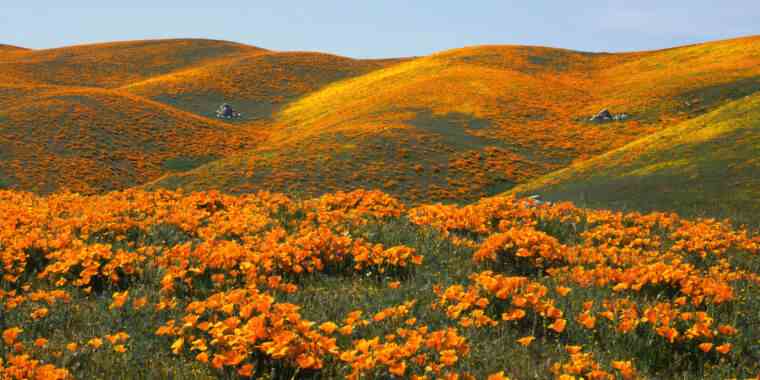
(382, 28)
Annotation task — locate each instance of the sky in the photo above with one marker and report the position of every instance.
(382, 28)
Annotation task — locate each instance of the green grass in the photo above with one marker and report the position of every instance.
(185, 163)
(705, 167)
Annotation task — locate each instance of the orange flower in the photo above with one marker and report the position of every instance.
(246, 370)
(727, 330)
(306, 361)
(112, 338)
(525, 341)
(95, 343)
(72, 346)
(202, 357)
(587, 320)
(558, 325)
(39, 313)
(723, 348)
(625, 367)
(10, 335)
(497, 376)
(394, 284)
(140, 303)
(119, 298)
(563, 290)
(328, 327)
(346, 330)
(705, 347)
(668, 332)
(398, 369)
(120, 348)
(40, 342)
(177, 345)
(448, 357)
(513, 315)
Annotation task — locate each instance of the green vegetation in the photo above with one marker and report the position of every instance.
(181, 164)
(704, 167)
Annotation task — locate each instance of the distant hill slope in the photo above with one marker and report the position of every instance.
(11, 49)
(94, 139)
(708, 166)
(476, 121)
(65, 122)
(257, 84)
(118, 63)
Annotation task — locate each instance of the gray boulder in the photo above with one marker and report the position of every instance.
(602, 116)
(225, 111)
(605, 115)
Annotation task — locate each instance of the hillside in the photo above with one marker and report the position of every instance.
(258, 84)
(475, 121)
(4, 49)
(94, 139)
(707, 166)
(70, 117)
(452, 126)
(118, 63)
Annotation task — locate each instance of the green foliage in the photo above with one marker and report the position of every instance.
(185, 163)
(705, 167)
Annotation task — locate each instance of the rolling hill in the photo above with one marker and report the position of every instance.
(453, 126)
(70, 117)
(91, 140)
(707, 166)
(258, 84)
(466, 123)
(115, 64)
(4, 49)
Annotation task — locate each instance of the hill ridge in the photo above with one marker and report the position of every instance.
(114, 64)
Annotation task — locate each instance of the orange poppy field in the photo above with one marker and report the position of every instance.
(358, 285)
(370, 219)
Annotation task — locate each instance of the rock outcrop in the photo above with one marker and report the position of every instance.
(225, 111)
(605, 115)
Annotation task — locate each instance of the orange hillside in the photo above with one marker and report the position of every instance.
(258, 84)
(117, 63)
(11, 49)
(94, 139)
(469, 122)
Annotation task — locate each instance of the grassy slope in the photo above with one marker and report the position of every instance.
(10, 49)
(257, 84)
(705, 166)
(65, 122)
(469, 122)
(95, 139)
(118, 63)
(8, 52)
